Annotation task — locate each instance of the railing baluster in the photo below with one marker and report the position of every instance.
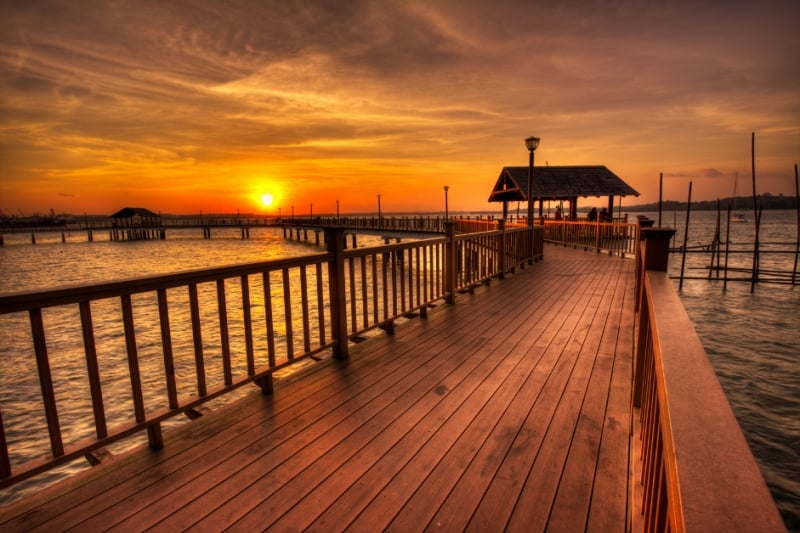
(93, 373)
(46, 382)
(153, 431)
(375, 303)
(304, 305)
(268, 318)
(364, 293)
(133, 357)
(422, 281)
(287, 309)
(351, 271)
(417, 275)
(166, 346)
(385, 285)
(320, 305)
(222, 310)
(248, 325)
(197, 338)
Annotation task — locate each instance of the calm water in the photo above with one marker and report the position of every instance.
(751, 339)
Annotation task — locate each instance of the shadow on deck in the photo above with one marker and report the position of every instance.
(510, 409)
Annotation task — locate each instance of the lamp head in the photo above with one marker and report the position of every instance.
(532, 143)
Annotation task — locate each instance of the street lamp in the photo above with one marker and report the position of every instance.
(311, 211)
(531, 143)
(380, 224)
(446, 188)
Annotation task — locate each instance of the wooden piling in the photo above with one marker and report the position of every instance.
(754, 279)
(797, 238)
(727, 248)
(685, 236)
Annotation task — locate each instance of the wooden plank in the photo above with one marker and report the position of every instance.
(496, 506)
(465, 496)
(499, 419)
(547, 471)
(610, 505)
(453, 406)
(571, 506)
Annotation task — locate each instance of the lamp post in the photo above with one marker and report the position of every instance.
(531, 143)
(446, 188)
(380, 222)
(279, 213)
(311, 211)
(337, 211)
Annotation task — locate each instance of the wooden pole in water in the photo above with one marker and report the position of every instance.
(727, 248)
(754, 279)
(715, 246)
(753, 166)
(685, 235)
(660, 195)
(756, 210)
(797, 203)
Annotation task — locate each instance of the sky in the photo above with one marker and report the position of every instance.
(210, 105)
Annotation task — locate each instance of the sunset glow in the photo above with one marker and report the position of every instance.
(187, 107)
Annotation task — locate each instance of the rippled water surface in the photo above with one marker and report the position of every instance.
(752, 339)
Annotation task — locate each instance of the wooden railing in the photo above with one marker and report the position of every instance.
(153, 348)
(419, 224)
(615, 238)
(696, 470)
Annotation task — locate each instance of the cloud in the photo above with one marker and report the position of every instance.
(212, 91)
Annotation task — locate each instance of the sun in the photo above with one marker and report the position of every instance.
(266, 199)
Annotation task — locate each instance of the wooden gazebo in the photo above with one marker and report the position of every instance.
(136, 216)
(559, 183)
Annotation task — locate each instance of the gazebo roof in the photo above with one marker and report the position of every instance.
(558, 183)
(130, 212)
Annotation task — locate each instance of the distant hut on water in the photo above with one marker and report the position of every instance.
(128, 217)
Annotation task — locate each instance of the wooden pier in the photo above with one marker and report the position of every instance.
(510, 410)
(511, 407)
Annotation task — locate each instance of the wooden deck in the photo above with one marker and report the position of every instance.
(510, 409)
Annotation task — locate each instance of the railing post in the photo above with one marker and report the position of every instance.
(450, 262)
(532, 239)
(656, 257)
(336, 290)
(501, 224)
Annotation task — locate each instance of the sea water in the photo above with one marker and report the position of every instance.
(751, 333)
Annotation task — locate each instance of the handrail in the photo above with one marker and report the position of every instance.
(615, 238)
(697, 472)
(153, 348)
